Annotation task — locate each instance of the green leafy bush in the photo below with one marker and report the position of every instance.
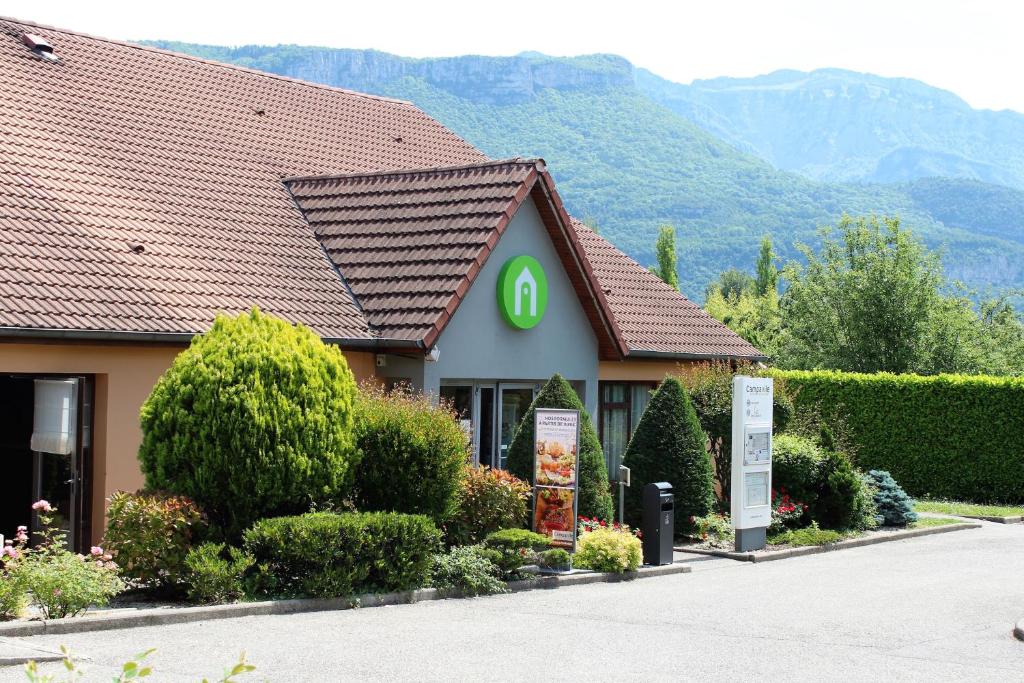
(150, 535)
(796, 467)
(489, 500)
(555, 558)
(13, 594)
(325, 554)
(895, 508)
(608, 550)
(215, 575)
(936, 435)
(253, 420)
(468, 570)
(412, 455)
(595, 498)
(710, 388)
(61, 583)
(669, 445)
(843, 500)
(512, 548)
(811, 535)
(713, 529)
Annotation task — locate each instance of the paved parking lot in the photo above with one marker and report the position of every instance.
(935, 608)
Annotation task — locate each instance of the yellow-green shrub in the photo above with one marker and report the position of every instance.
(608, 550)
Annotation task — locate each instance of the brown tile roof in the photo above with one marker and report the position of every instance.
(117, 145)
(410, 243)
(653, 317)
(140, 192)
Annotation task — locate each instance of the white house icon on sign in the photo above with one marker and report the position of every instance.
(526, 287)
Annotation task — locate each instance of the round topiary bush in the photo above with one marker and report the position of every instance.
(796, 467)
(595, 499)
(413, 455)
(253, 420)
(669, 445)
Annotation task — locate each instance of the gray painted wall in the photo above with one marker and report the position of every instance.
(477, 344)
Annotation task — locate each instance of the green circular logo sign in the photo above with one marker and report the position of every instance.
(522, 292)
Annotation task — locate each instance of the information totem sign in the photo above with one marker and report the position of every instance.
(555, 474)
(752, 402)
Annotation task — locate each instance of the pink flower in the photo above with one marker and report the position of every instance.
(108, 557)
(9, 551)
(99, 563)
(96, 551)
(21, 536)
(42, 505)
(56, 592)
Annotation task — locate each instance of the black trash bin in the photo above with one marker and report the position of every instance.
(659, 522)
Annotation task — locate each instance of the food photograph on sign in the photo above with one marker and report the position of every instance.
(554, 515)
(557, 449)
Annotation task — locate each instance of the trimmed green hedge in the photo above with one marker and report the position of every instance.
(326, 554)
(949, 436)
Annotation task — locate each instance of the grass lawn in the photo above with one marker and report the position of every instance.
(949, 507)
(933, 521)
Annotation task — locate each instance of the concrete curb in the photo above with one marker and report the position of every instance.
(1017, 519)
(828, 547)
(116, 619)
(1018, 630)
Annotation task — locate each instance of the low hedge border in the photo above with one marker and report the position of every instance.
(159, 616)
(768, 556)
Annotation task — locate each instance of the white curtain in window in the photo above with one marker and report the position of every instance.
(55, 420)
(640, 396)
(614, 439)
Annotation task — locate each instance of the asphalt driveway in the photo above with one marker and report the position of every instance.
(934, 608)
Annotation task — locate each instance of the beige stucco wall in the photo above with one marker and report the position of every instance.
(640, 370)
(125, 374)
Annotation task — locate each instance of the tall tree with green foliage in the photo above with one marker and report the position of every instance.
(864, 302)
(665, 252)
(669, 445)
(767, 281)
(595, 498)
(732, 283)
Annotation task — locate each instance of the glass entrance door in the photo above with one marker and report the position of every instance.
(55, 453)
(513, 402)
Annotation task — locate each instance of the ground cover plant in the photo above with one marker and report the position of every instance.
(952, 507)
(595, 499)
(150, 534)
(489, 500)
(811, 535)
(412, 454)
(669, 445)
(511, 549)
(326, 554)
(467, 569)
(253, 420)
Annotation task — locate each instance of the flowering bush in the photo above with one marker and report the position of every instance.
(714, 529)
(489, 500)
(608, 550)
(150, 534)
(593, 523)
(786, 512)
(60, 582)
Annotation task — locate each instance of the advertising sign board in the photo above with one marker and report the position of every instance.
(752, 402)
(555, 474)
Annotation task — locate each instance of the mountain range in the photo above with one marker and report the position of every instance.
(725, 160)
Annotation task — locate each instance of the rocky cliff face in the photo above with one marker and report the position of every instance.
(486, 80)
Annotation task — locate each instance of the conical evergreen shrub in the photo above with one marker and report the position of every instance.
(595, 498)
(669, 445)
(895, 508)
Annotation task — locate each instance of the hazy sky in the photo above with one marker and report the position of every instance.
(972, 48)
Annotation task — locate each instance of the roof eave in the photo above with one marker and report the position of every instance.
(681, 355)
